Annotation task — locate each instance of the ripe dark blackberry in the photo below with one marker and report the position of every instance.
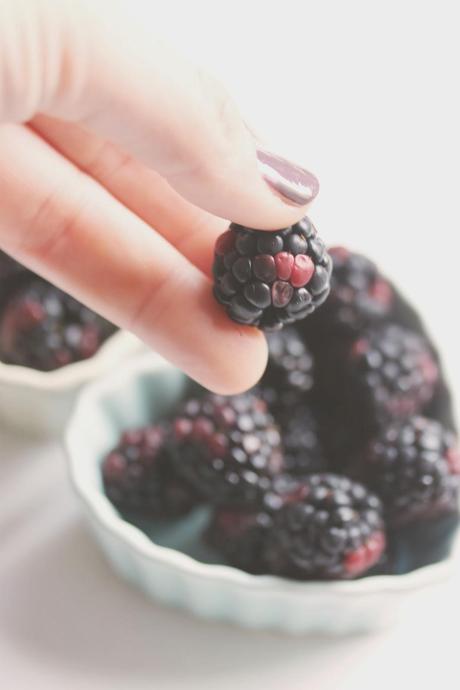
(239, 536)
(269, 279)
(9, 267)
(385, 372)
(440, 406)
(334, 530)
(290, 369)
(44, 328)
(391, 370)
(139, 477)
(303, 452)
(360, 295)
(239, 533)
(414, 466)
(228, 448)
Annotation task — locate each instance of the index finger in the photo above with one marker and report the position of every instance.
(63, 224)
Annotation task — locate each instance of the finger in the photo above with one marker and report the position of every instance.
(61, 223)
(130, 88)
(190, 229)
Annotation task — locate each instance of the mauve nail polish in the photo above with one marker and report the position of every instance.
(293, 183)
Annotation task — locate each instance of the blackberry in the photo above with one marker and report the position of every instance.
(333, 530)
(392, 370)
(290, 369)
(239, 533)
(239, 536)
(344, 431)
(9, 267)
(414, 466)
(269, 279)
(303, 453)
(360, 295)
(441, 407)
(359, 385)
(139, 477)
(228, 448)
(44, 328)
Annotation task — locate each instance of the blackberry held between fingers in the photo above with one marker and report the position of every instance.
(228, 448)
(269, 279)
(44, 328)
(333, 531)
(139, 478)
(414, 466)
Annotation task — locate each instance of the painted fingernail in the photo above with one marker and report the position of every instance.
(293, 184)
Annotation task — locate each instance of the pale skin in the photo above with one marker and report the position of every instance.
(119, 162)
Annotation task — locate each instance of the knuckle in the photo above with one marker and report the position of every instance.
(52, 222)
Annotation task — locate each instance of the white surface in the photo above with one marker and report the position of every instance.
(367, 95)
(66, 621)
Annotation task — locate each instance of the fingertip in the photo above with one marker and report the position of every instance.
(243, 364)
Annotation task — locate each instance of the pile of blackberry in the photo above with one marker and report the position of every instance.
(40, 325)
(345, 445)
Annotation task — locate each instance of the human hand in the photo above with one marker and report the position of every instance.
(118, 163)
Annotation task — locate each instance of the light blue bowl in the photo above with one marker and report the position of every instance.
(169, 562)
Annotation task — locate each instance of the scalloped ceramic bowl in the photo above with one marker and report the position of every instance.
(170, 564)
(39, 402)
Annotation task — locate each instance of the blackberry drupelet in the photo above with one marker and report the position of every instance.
(333, 531)
(228, 448)
(269, 279)
(139, 477)
(414, 466)
(290, 370)
(391, 371)
(44, 328)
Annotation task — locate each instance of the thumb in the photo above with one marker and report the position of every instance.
(97, 63)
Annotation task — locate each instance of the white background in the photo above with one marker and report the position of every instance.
(366, 95)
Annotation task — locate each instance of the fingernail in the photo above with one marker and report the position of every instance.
(292, 183)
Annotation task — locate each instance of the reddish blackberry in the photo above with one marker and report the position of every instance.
(414, 466)
(334, 530)
(392, 370)
(269, 279)
(44, 328)
(227, 447)
(290, 367)
(139, 478)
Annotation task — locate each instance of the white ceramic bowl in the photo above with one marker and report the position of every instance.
(39, 403)
(146, 388)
